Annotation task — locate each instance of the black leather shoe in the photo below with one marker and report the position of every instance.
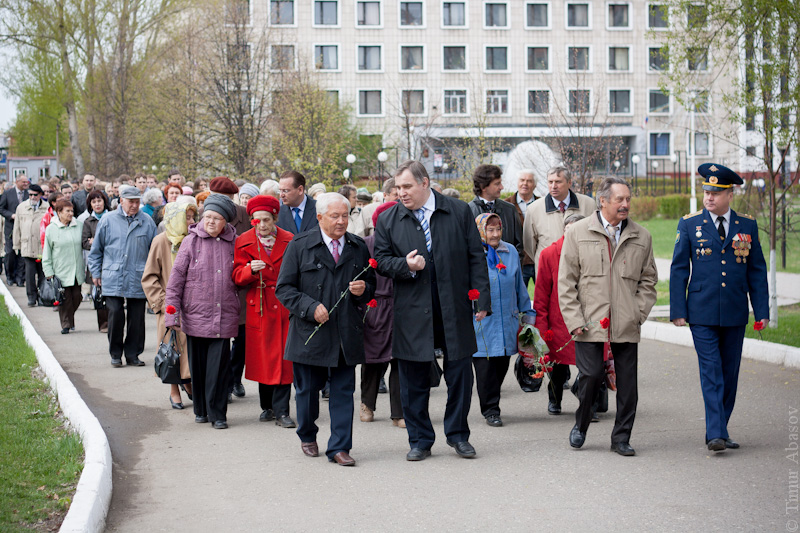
(187, 392)
(576, 437)
(382, 386)
(285, 421)
(731, 444)
(417, 454)
(31, 304)
(266, 416)
(567, 385)
(116, 362)
(201, 419)
(463, 448)
(326, 394)
(65, 331)
(716, 445)
(553, 408)
(238, 390)
(220, 424)
(622, 448)
(494, 420)
(134, 361)
(595, 417)
(175, 405)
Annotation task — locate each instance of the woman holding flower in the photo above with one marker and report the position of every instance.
(257, 261)
(497, 333)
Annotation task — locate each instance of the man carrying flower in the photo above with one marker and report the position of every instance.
(324, 278)
(607, 286)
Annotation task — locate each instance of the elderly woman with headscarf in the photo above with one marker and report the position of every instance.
(257, 261)
(202, 301)
(246, 192)
(163, 250)
(497, 333)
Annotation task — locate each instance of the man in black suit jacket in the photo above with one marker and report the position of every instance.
(298, 212)
(424, 230)
(14, 265)
(487, 184)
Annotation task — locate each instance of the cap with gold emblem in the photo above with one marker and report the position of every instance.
(718, 178)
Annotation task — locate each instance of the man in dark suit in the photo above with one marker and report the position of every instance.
(333, 351)
(298, 212)
(14, 265)
(721, 251)
(429, 245)
(487, 184)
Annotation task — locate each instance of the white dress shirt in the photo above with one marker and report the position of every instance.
(726, 221)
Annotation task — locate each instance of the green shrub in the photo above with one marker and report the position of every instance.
(644, 208)
(673, 205)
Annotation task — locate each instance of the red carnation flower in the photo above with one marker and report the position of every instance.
(474, 294)
(372, 303)
(501, 266)
(56, 302)
(758, 326)
(604, 323)
(373, 263)
(171, 310)
(254, 222)
(549, 336)
(546, 359)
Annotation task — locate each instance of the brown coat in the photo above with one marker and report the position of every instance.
(544, 223)
(593, 284)
(154, 282)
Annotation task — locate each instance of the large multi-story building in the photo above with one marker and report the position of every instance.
(428, 74)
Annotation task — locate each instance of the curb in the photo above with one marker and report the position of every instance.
(93, 493)
(768, 352)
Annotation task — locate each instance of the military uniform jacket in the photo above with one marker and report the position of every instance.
(718, 284)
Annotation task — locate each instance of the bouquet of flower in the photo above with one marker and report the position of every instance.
(533, 350)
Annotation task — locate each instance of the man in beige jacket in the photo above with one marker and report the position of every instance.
(27, 240)
(607, 286)
(544, 218)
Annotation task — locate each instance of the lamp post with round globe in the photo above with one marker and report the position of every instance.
(382, 157)
(635, 159)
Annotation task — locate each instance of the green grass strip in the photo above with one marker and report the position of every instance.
(40, 460)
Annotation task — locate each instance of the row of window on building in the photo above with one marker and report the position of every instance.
(496, 15)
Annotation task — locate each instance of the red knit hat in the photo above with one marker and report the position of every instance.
(380, 209)
(263, 203)
(223, 185)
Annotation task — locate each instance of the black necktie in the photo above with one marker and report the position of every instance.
(721, 228)
(490, 206)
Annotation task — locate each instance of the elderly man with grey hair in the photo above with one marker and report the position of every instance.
(606, 286)
(325, 280)
(526, 185)
(544, 219)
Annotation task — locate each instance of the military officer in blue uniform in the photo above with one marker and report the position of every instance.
(727, 265)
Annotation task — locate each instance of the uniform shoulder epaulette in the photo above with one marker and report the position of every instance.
(690, 215)
(746, 216)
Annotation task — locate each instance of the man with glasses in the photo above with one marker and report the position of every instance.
(27, 241)
(298, 212)
(15, 267)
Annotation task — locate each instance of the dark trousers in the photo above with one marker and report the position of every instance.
(131, 329)
(14, 265)
(555, 387)
(371, 374)
(275, 397)
(489, 375)
(33, 276)
(209, 361)
(528, 273)
(67, 308)
(589, 359)
(415, 392)
(308, 382)
(719, 353)
(237, 357)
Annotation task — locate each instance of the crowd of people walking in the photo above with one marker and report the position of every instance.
(285, 284)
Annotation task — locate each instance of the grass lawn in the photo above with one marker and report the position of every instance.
(663, 292)
(663, 232)
(40, 461)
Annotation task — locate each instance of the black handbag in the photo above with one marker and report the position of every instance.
(526, 382)
(167, 362)
(98, 301)
(51, 293)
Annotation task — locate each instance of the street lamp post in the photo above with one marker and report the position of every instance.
(346, 174)
(382, 157)
(445, 171)
(635, 159)
(351, 158)
(654, 164)
(693, 197)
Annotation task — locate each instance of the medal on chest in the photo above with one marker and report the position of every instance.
(698, 233)
(742, 242)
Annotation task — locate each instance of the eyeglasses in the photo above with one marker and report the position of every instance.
(33, 194)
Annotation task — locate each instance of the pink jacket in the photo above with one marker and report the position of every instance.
(48, 216)
(201, 286)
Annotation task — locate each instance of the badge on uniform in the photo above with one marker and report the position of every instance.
(677, 237)
(741, 246)
(698, 231)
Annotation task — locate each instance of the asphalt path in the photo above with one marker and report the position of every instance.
(171, 474)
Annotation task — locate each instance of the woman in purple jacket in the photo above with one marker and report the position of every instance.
(202, 302)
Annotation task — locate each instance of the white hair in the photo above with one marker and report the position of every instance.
(271, 188)
(527, 171)
(325, 200)
(377, 197)
(152, 196)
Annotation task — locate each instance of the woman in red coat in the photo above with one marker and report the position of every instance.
(257, 261)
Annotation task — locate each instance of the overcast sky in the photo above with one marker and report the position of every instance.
(8, 109)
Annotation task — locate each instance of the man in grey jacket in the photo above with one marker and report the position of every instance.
(116, 261)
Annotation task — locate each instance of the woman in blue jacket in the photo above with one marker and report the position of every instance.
(497, 333)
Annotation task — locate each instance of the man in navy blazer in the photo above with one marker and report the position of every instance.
(298, 212)
(727, 265)
(14, 265)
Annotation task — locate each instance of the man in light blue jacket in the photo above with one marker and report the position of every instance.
(116, 261)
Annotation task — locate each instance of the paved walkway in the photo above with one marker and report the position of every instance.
(171, 474)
